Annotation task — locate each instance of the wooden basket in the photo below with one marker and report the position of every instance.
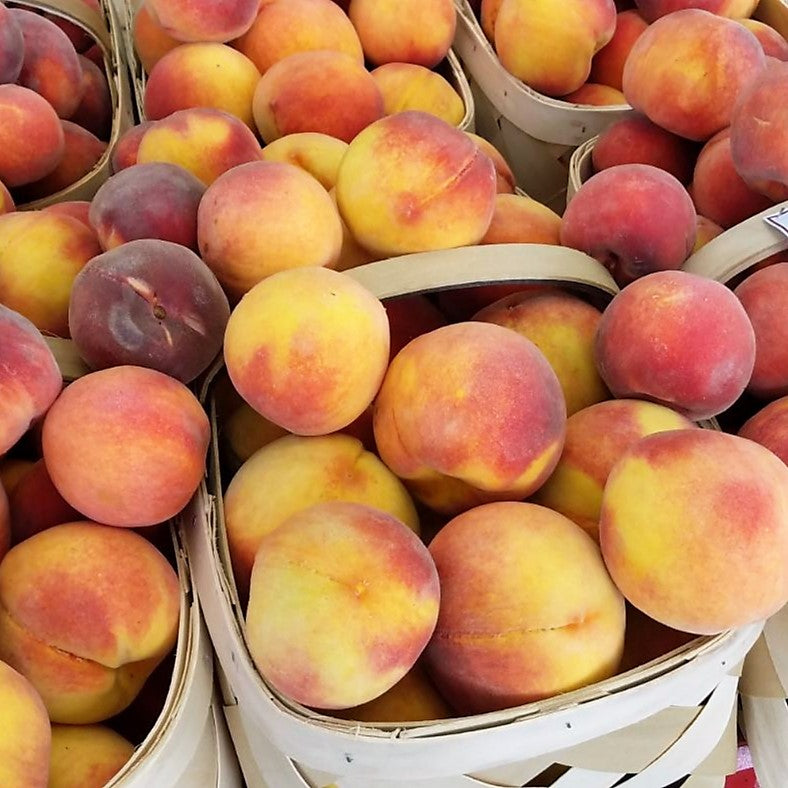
(658, 722)
(106, 32)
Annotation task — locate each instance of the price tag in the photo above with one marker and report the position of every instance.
(779, 220)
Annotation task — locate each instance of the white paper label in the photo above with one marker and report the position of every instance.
(779, 220)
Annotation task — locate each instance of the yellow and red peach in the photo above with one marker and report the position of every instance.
(694, 530)
(769, 427)
(372, 573)
(86, 756)
(12, 47)
(774, 45)
(505, 181)
(76, 209)
(203, 20)
(312, 363)
(94, 112)
(520, 219)
(734, 9)
(527, 609)
(351, 253)
(412, 183)
(125, 152)
(318, 154)
(607, 67)
(6, 200)
(151, 41)
(594, 95)
(126, 446)
(677, 339)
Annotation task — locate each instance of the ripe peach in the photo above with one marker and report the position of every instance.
(412, 183)
(318, 154)
(76, 209)
(774, 45)
(125, 152)
(504, 176)
(316, 365)
(126, 446)
(86, 613)
(203, 20)
(735, 9)
(594, 95)
(707, 230)
(151, 41)
(245, 431)
(352, 253)
(694, 530)
(340, 561)
(86, 756)
(527, 609)
(248, 230)
(607, 67)
(519, 219)
(769, 427)
(677, 339)
(94, 112)
(12, 47)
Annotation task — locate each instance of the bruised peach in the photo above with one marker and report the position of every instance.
(519, 219)
(203, 20)
(94, 112)
(769, 427)
(504, 176)
(607, 67)
(12, 47)
(594, 95)
(125, 151)
(318, 154)
(86, 756)
(151, 41)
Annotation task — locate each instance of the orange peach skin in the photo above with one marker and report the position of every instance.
(126, 446)
(507, 422)
(504, 177)
(596, 438)
(125, 151)
(310, 364)
(76, 209)
(594, 95)
(86, 756)
(707, 230)
(151, 41)
(344, 562)
(87, 637)
(318, 154)
(6, 200)
(769, 427)
(412, 183)
(654, 9)
(607, 67)
(527, 609)
(294, 473)
(694, 530)
(519, 219)
(203, 20)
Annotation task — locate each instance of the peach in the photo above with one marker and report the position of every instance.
(324, 91)
(307, 348)
(202, 75)
(717, 189)
(407, 86)
(410, 317)
(293, 473)
(318, 154)
(84, 636)
(351, 253)
(12, 471)
(125, 153)
(707, 230)
(665, 73)
(204, 20)
(76, 209)
(40, 254)
(464, 302)
(488, 14)
(156, 200)
(519, 219)
(31, 137)
(527, 609)
(595, 95)
(148, 303)
(769, 428)
(563, 327)
(757, 132)
(94, 112)
(126, 446)
(205, 142)
(694, 530)
(248, 230)
(78, 36)
(677, 339)
(764, 296)
(774, 45)
(408, 31)
(151, 41)
(340, 561)
(26, 741)
(470, 413)
(634, 219)
(51, 66)
(607, 67)
(596, 437)
(6, 200)
(504, 176)
(245, 431)
(284, 27)
(86, 756)
(550, 44)
(12, 47)
(652, 10)
(412, 183)
(636, 140)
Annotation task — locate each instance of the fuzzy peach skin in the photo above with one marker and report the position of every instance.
(86, 756)
(264, 217)
(126, 446)
(504, 177)
(652, 10)
(25, 744)
(12, 47)
(769, 427)
(333, 562)
(156, 200)
(412, 183)
(293, 473)
(284, 27)
(205, 142)
(324, 91)
(677, 339)
(596, 437)
(764, 296)
(666, 73)
(594, 95)
(774, 45)
(351, 253)
(204, 20)
(636, 140)
(40, 255)
(318, 154)
(634, 219)
(94, 112)
(407, 31)
(520, 219)
(410, 317)
(407, 86)
(549, 44)
(76, 209)
(758, 130)
(245, 431)
(86, 613)
(31, 137)
(694, 530)
(124, 153)
(470, 413)
(607, 67)
(202, 75)
(563, 327)
(707, 230)
(527, 609)
(307, 348)
(151, 41)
